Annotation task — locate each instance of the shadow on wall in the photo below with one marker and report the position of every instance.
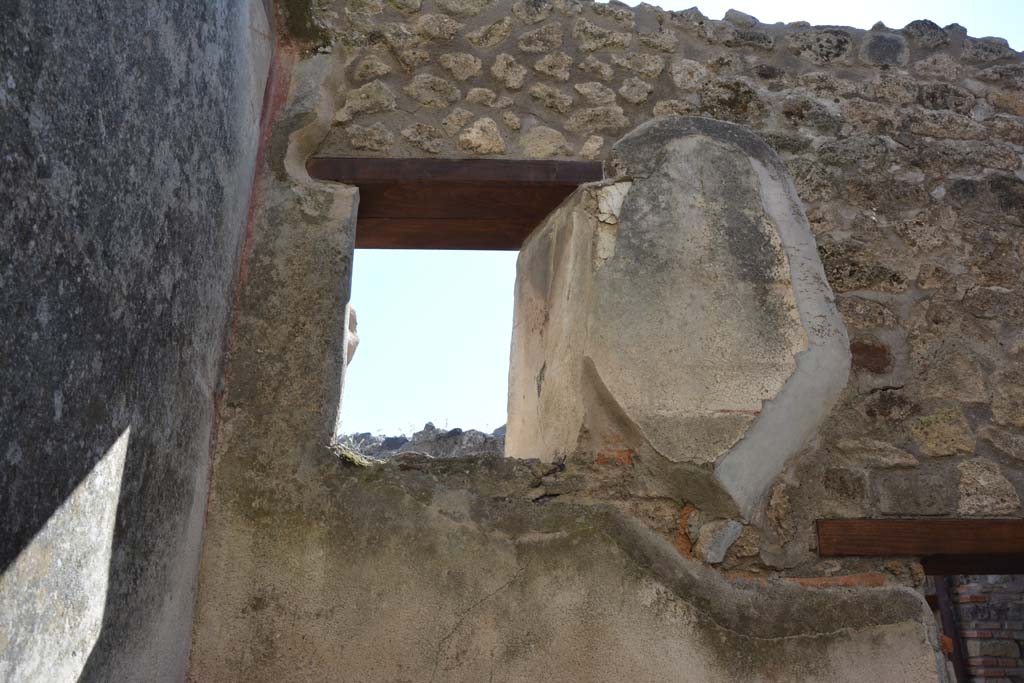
(122, 228)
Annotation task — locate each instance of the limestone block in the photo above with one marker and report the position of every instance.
(984, 490)
(591, 37)
(555, 65)
(635, 90)
(371, 98)
(682, 317)
(432, 91)
(541, 142)
(596, 93)
(542, 40)
(511, 73)
(461, 65)
(821, 46)
(424, 136)
(551, 97)
(491, 35)
(483, 138)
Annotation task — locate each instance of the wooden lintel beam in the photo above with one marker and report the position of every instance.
(357, 170)
(997, 541)
(453, 203)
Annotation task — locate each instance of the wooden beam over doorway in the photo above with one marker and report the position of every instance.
(453, 203)
(945, 546)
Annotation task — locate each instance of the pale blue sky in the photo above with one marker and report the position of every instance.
(435, 325)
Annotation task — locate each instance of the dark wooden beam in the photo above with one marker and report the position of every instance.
(941, 565)
(951, 625)
(921, 537)
(453, 203)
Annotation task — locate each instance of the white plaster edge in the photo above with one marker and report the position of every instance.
(788, 421)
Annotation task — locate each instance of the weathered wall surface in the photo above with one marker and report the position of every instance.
(677, 319)
(906, 149)
(453, 569)
(446, 570)
(126, 156)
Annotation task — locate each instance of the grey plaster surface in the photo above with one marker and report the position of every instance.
(128, 134)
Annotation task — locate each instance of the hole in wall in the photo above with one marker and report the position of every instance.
(434, 332)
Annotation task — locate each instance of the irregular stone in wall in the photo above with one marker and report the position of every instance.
(592, 147)
(436, 27)
(593, 65)
(463, 8)
(461, 65)
(375, 138)
(715, 538)
(367, 7)
(984, 490)
(884, 49)
(875, 454)
(707, 235)
(456, 120)
(544, 39)
(800, 110)
(551, 97)
(406, 6)
(431, 91)
(912, 492)
(531, 11)
(595, 93)
(986, 49)
(541, 142)
(1004, 441)
(945, 124)
(926, 34)
(591, 37)
(1009, 101)
(596, 119)
(412, 58)
(1009, 128)
(1008, 398)
(648, 66)
(822, 46)
(662, 40)
(688, 74)
(635, 90)
(555, 65)
(369, 69)
(371, 98)
(892, 87)
(943, 433)
(939, 66)
(508, 71)
(483, 137)
(424, 136)
(488, 98)
(744, 37)
(731, 100)
(864, 313)
(512, 121)
(945, 96)
(768, 72)
(823, 83)
(620, 14)
(1011, 75)
(492, 34)
(677, 107)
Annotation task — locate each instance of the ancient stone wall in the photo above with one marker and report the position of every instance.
(906, 149)
(128, 137)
